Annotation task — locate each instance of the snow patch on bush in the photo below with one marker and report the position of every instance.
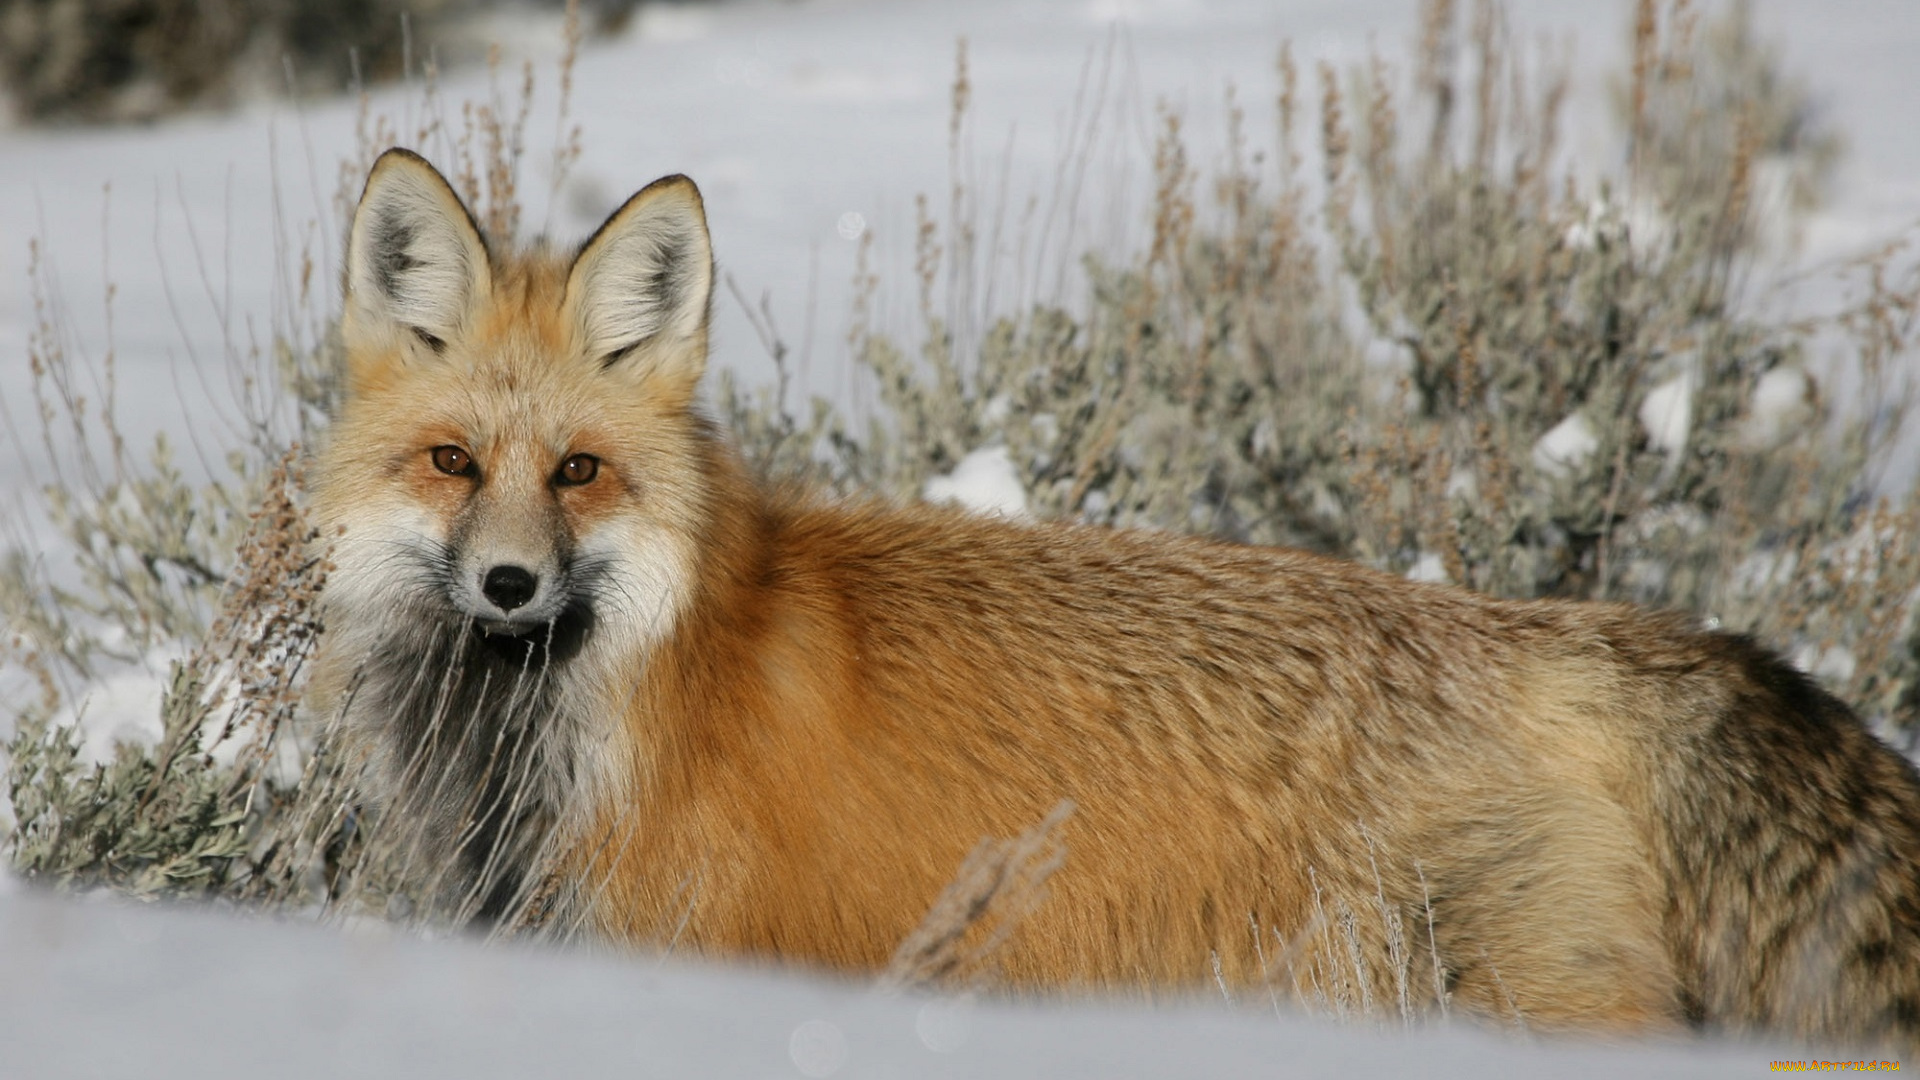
(1567, 448)
(985, 482)
(1834, 664)
(1782, 406)
(1667, 414)
(1429, 567)
(123, 706)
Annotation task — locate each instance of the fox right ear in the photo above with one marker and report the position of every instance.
(641, 288)
(415, 261)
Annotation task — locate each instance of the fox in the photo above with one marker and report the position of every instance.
(579, 640)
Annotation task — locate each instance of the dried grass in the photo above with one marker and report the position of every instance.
(999, 884)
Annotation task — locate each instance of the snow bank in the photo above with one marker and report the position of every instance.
(93, 988)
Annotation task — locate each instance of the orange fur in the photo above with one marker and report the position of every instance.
(784, 727)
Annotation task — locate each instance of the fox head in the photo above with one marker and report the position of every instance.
(517, 452)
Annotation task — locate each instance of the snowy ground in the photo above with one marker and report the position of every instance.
(808, 125)
(94, 989)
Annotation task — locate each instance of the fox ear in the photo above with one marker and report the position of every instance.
(415, 261)
(640, 287)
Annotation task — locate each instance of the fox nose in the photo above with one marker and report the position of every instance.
(509, 586)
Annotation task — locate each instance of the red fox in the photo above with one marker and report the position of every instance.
(569, 624)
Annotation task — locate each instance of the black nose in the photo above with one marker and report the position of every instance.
(509, 586)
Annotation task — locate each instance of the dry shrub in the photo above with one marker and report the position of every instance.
(1523, 305)
(178, 818)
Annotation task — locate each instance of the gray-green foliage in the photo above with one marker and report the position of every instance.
(1203, 387)
(151, 551)
(153, 821)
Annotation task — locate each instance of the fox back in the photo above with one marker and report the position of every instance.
(581, 642)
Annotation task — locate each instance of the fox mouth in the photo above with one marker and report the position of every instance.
(559, 640)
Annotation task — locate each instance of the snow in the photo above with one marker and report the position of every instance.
(1834, 665)
(117, 989)
(1764, 571)
(986, 482)
(1639, 224)
(122, 703)
(1781, 408)
(1429, 567)
(1463, 484)
(1666, 414)
(121, 706)
(818, 1048)
(1566, 447)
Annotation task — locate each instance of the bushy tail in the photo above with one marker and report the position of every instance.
(1793, 845)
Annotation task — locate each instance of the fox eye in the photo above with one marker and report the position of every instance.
(578, 469)
(438, 346)
(453, 461)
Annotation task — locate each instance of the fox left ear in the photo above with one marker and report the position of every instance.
(640, 288)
